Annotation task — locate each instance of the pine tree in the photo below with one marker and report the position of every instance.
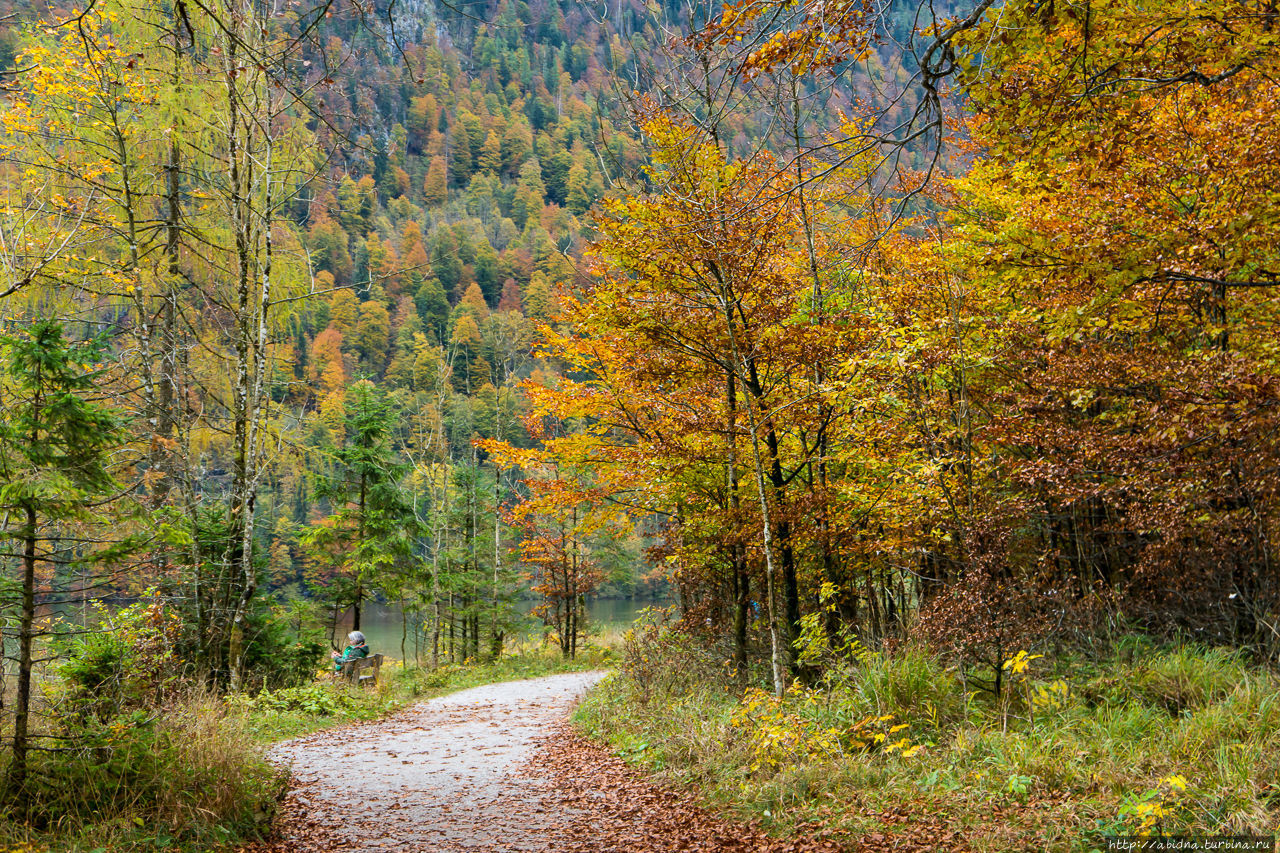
(461, 164)
(491, 154)
(373, 524)
(433, 308)
(54, 447)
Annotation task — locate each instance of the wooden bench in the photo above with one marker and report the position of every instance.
(362, 670)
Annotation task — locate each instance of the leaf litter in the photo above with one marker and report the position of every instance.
(498, 768)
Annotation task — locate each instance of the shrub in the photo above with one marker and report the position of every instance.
(188, 772)
(317, 700)
(128, 662)
(286, 645)
(661, 660)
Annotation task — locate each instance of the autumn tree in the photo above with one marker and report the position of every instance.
(561, 521)
(696, 342)
(1143, 241)
(1089, 390)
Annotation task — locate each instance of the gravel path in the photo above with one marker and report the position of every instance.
(448, 774)
(498, 769)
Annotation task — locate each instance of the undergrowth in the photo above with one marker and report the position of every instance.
(189, 774)
(1149, 740)
(186, 776)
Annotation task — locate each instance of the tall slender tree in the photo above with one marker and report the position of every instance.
(373, 524)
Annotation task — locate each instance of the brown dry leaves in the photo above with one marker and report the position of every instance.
(578, 797)
(622, 812)
(296, 828)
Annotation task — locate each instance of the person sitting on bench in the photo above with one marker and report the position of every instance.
(355, 649)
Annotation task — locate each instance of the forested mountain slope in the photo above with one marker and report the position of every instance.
(319, 252)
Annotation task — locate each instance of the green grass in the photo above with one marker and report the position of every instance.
(283, 714)
(1101, 754)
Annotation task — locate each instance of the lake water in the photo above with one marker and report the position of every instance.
(382, 624)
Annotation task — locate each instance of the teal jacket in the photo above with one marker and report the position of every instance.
(350, 653)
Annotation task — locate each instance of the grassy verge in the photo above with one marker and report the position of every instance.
(190, 775)
(283, 714)
(185, 775)
(1150, 740)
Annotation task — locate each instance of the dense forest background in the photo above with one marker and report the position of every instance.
(425, 211)
(427, 216)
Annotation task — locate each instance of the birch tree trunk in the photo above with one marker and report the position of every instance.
(778, 656)
(250, 112)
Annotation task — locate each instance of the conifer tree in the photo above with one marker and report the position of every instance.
(54, 446)
(435, 188)
(372, 522)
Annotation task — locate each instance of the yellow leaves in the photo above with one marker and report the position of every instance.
(1052, 696)
(1150, 815)
(789, 731)
(778, 736)
(1081, 398)
(896, 745)
(823, 35)
(1017, 665)
(96, 171)
(1156, 808)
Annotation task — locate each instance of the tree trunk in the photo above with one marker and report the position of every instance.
(741, 613)
(737, 554)
(495, 636)
(782, 530)
(26, 634)
(360, 532)
(435, 569)
(404, 631)
(778, 654)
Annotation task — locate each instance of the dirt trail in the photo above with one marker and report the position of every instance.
(448, 774)
(495, 769)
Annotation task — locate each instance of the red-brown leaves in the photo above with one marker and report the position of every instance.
(624, 813)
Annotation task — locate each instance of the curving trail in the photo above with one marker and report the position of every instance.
(495, 769)
(444, 775)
